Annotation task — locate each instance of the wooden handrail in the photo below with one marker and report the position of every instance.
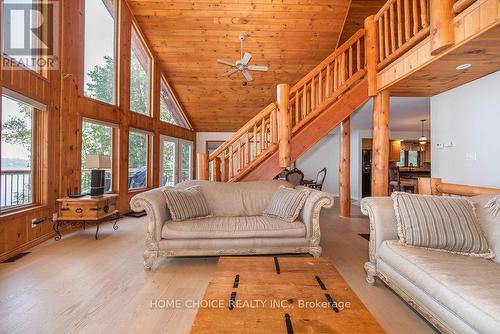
(434, 186)
(249, 125)
(461, 5)
(314, 72)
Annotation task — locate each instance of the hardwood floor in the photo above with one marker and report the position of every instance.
(80, 285)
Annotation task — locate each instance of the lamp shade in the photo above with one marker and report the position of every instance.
(98, 161)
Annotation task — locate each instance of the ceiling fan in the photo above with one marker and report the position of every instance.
(242, 65)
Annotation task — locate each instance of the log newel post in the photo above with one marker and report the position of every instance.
(284, 126)
(202, 166)
(345, 168)
(371, 52)
(442, 29)
(216, 170)
(380, 150)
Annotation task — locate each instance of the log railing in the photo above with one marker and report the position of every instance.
(397, 27)
(400, 24)
(327, 81)
(246, 148)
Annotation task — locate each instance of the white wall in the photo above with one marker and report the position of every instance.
(326, 153)
(202, 137)
(469, 118)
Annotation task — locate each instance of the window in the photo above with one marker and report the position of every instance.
(176, 160)
(170, 111)
(17, 154)
(96, 139)
(140, 76)
(412, 159)
(402, 157)
(137, 160)
(186, 161)
(100, 41)
(24, 53)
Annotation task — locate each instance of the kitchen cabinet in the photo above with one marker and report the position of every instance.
(394, 150)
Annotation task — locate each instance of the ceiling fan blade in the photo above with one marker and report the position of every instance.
(258, 68)
(220, 61)
(246, 58)
(247, 75)
(230, 72)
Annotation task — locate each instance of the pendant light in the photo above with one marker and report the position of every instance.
(423, 139)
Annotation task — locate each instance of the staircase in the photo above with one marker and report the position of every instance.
(286, 129)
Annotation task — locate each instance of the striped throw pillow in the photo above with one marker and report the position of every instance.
(440, 222)
(186, 204)
(286, 203)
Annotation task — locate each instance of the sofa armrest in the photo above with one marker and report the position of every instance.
(309, 214)
(383, 224)
(155, 204)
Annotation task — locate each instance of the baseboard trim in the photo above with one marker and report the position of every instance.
(25, 246)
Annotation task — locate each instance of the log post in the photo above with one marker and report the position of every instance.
(202, 166)
(442, 29)
(345, 170)
(380, 150)
(371, 52)
(216, 171)
(285, 126)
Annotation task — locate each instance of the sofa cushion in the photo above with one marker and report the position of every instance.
(286, 203)
(440, 222)
(490, 224)
(235, 199)
(186, 204)
(467, 286)
(233, 227)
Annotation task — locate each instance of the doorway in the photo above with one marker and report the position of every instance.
(176, 160)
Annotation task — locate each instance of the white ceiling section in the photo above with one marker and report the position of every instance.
(405, 114)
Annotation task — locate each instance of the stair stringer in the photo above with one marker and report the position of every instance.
(312, 132)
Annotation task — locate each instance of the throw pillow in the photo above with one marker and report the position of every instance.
(440, 222)
(186, 204)
(286, 203)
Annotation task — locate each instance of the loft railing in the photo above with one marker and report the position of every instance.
(327, 81)
(397, 27)
(15, 188)
(400, 24)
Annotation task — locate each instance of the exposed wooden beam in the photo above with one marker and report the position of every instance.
(442, 29)
(380, 151)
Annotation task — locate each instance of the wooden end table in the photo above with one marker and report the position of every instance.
(85, 210)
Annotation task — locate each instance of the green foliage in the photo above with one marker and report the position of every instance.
(17, 130)
(139, 87)
(102, 82)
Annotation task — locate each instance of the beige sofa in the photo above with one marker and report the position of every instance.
(455, 293)
(236, 226)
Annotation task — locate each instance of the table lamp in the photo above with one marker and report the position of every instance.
(97, 163)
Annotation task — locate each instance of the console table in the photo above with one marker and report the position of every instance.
(83, 210)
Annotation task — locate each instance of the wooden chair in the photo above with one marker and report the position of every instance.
(295, 177)
(394, 180)
(320, 179)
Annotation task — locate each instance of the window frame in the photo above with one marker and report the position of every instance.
(39, 125)
(134, 27)
(184, 122)
(149, 159)
(116, 59)
(114, 153)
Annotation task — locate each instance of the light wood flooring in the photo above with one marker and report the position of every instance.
(80, 285)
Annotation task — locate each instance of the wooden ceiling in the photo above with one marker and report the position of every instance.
(189, 36)
(358, 12)
(483, 53)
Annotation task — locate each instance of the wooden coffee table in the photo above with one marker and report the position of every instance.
(281, 295)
